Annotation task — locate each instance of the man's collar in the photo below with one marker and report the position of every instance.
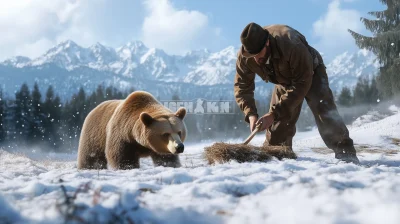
(269, 58)
(274, 48)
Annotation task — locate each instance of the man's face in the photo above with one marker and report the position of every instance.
(262, 57)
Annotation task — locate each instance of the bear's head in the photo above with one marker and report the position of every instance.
(164, 134)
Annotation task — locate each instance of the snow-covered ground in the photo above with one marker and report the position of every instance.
(315, 188)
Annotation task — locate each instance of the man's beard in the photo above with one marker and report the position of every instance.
(263, 60)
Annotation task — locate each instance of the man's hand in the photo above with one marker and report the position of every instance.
(252, 120)
(266, 121)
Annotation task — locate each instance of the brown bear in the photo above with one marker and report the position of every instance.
(118, 133)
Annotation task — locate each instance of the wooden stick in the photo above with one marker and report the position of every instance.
(253, 133)
(257, 129)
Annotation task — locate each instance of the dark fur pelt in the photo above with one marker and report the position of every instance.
(223, 152)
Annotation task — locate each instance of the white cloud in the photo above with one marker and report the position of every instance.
(34, 48)
(30, 27)
(25, 22)
(173, 30)
(331, 29)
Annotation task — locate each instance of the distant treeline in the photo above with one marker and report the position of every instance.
(33, 119)
(357, 101)
(364, 93)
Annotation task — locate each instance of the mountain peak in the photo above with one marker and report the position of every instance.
(345, 68)
(97, 45)
(135, 44)
(153, 53)
(67, 44)
(17, 61)
(231, 50)
(62, 46)
(197, 52)
(198, 67)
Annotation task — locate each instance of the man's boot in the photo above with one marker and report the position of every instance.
(346, 152)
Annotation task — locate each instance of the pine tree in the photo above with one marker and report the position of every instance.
(36, 120)
(385, 43)
(110, 92)
(2, 116)
(75, 113)
(100, 95)
(91, 101)
(65, 132)
(345, 98)
(361, 92)
(23, 112)
(175, 97)
(52, 120)
(373, 94)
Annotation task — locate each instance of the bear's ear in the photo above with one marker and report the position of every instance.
(146, 119)
(181, 113)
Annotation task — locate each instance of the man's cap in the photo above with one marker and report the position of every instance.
(253, 39)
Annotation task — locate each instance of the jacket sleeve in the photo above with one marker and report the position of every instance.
(244, 89)
(301, 65)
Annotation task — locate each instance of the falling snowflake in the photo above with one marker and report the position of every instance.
(392, 44)
(39, 105)
(378, 100)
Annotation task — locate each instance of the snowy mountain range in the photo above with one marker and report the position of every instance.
(200, 73)
(346, 68)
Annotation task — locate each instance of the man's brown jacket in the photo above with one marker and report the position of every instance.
(291, 65)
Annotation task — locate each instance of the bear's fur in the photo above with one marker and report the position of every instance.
(118, 133)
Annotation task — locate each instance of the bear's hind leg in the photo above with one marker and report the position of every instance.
(121, 155)
(167, 160)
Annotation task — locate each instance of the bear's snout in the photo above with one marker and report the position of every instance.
(179, 148)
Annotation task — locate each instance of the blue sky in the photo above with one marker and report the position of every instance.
(176, 26)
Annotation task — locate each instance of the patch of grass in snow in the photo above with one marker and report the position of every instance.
(368, 149)
(223, 213)
(75, 212)
(68, 208)
(360, 149)
(396, 141)
(322, 150)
